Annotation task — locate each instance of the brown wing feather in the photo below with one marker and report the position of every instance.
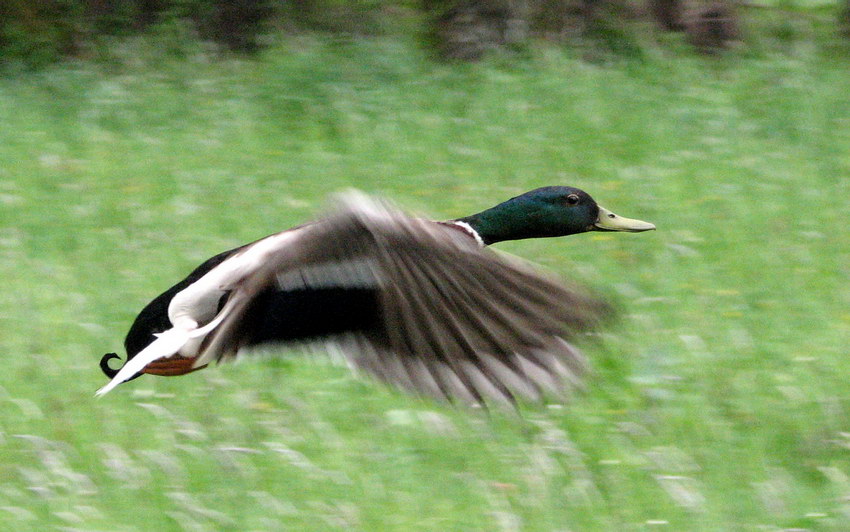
(457, 320)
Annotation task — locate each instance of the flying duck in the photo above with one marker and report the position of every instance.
(420, 304)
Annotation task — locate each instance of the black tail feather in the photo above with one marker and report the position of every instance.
(109, 372)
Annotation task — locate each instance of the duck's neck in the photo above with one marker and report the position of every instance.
(497, 224)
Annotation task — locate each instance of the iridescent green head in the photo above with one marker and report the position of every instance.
(548, 212)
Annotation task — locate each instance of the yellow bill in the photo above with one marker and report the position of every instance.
(608, 221)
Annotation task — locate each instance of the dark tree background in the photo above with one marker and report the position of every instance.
(466, 29)
(35, 32)
(38, 31)
(667, 13)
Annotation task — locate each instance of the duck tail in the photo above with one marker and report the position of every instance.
(166, 345)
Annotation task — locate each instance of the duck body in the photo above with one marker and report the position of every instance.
(417, 303)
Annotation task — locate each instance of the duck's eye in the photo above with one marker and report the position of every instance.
(572, 199)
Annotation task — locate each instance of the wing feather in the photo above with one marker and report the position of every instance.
(456, 321)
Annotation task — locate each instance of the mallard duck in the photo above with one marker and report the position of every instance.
(417, 303)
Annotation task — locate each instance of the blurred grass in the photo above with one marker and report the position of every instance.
(718, 402)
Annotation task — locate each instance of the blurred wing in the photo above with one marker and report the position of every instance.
(455, 320)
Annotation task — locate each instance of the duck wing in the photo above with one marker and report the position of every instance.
(451, 319)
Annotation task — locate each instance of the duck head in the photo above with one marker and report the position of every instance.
(549, 212)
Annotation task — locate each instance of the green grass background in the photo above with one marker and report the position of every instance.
(718, 401)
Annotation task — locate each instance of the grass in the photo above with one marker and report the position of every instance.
(719, 401)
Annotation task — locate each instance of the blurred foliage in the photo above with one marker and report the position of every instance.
(35, 33)
(844, 18)
(360, 17)
(466, 29)
(38, 32)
